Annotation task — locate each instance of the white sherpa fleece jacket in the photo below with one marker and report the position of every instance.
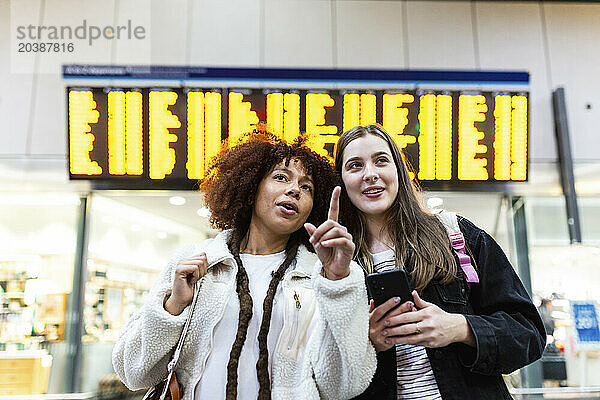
(323, 350)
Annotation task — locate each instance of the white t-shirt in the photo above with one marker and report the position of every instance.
(214, 379)
(415, 378)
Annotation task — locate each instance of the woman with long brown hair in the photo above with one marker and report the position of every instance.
(470, 320)
(272, 318)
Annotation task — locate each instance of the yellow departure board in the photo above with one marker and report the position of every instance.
(171, 134)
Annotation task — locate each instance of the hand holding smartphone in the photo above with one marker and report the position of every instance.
(382, 286)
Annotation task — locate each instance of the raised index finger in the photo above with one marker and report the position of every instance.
(334, 206)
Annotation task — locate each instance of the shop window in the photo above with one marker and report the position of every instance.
(546, 221)
(131, 238)
(37, 248)
(561, 273)
(589, 213)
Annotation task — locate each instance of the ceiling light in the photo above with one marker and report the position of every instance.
(203, 212)
(434, 202)
(136, 228)
(177, 200)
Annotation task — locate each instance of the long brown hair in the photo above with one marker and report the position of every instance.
(420, 240)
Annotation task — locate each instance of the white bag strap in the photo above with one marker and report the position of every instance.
(175, 358)
(457, 240)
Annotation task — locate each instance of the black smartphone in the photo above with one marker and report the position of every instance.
(382, 286)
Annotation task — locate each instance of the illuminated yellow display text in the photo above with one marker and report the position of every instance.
(82, 113)
(435, 137)
(204, 131)
(445, 135)
(318, 133)
(241, 118)
(471, 109)
(125, 133)
(283, 115)
(162, 156)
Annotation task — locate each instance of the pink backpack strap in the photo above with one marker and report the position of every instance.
(457, 239)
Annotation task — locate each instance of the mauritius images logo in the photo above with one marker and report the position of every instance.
(84, 31)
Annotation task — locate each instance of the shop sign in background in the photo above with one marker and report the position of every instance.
(585, 318)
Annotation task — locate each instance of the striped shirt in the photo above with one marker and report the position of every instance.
(414, 374)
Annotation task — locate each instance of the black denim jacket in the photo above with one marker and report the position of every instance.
(507, 327)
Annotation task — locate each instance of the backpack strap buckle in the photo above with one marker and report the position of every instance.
(457, 240)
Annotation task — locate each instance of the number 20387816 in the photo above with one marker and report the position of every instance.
(45, 47)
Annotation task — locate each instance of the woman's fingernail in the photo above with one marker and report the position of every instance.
(396, 299)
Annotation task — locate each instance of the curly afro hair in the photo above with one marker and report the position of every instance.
(231, 184)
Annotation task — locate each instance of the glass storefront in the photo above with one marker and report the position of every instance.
(132, 234)
(563, 273)
(37, 248)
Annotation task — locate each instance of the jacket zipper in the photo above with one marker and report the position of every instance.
(295, 313)
(296, 316)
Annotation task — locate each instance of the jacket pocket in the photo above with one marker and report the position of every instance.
(299, 308)
(453, 296)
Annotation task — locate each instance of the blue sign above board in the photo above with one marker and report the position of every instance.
(585, 317)
(337, 75)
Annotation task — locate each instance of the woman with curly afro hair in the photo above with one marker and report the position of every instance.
(281, 311)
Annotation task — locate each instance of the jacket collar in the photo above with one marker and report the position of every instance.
(217, 250)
